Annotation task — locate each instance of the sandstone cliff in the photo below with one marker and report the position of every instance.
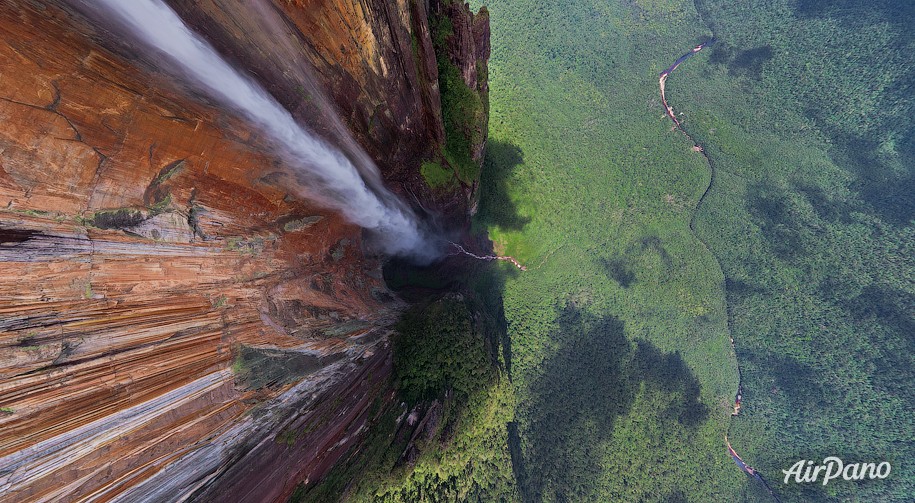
(174, 320)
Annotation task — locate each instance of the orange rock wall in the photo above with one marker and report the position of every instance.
(147, 236)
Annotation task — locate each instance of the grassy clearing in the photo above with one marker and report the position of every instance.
(435, 175)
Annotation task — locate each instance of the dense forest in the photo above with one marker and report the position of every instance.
(805, 111)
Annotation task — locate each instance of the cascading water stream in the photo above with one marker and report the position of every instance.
(460, 250)
(332, 178)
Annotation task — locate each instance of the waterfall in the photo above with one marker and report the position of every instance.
(339, 184)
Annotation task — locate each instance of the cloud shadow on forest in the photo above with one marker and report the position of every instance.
(496, 206)
(591, 381)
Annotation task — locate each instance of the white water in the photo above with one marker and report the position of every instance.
(339, 182)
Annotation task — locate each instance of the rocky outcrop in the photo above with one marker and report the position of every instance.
(175, 321)
(461, 44)
(468, 46)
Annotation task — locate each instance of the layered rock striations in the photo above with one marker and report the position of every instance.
(175, 320)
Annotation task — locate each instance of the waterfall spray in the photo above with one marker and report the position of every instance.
(339, 183)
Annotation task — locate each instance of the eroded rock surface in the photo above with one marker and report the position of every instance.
(158, 275)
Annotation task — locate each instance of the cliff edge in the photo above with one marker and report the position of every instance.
(175, 321)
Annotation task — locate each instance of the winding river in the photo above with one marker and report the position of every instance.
(749, 470)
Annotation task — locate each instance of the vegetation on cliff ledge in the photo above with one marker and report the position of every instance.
(464, 109)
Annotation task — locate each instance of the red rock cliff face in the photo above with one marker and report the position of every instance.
(174, 321)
